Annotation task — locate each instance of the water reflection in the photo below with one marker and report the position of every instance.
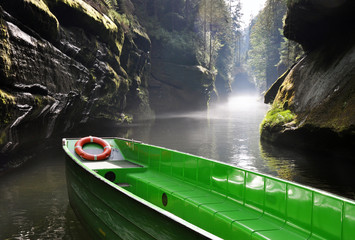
(319, 169)
(230, 133)
(227, 132)
(34, 202)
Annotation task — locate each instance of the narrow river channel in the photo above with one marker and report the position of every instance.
(33, 198)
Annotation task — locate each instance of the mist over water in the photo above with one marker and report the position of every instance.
(34, 202)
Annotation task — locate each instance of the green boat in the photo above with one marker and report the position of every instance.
(140, 191)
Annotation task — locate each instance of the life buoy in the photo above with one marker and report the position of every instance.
(80, 151)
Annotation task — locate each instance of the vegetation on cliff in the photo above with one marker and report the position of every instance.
(277, 116)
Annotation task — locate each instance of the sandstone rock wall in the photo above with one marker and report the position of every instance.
(315, 104)
(66, 66)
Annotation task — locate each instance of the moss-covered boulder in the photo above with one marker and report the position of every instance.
(314, 101)
(81, 14)
(315, 104)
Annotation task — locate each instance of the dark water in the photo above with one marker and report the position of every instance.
(33, 198)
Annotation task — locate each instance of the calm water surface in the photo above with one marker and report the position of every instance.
(33, 198)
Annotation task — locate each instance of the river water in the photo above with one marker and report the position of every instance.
(33, 198)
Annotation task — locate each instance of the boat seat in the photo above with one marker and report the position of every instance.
(205, 208)
(234, 203)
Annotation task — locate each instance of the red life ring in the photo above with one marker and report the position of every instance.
(79, 148)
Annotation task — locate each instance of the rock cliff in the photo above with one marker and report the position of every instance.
(178, 81)
(79, 67)
(68, 65)
(314, 104)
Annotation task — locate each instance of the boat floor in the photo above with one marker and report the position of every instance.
(110, 164)
(116, 160)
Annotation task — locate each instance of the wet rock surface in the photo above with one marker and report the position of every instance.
(69, 77)
(319, 91)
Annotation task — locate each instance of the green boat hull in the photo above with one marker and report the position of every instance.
(148, 192)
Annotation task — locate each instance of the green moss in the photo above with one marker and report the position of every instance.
(3, 137)
(277, 116)
(7, 101)
(44, 8)
(6, 98)
(81, 14)
(5, 60)
(36, 15)
(88, 10)
(121, 19)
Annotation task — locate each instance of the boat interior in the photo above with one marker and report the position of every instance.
(226, 201)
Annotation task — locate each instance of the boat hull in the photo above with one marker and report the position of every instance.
(147, 192)
(109, 213)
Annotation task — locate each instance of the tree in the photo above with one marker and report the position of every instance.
(215, 20)
(265, 42)
(237, 29)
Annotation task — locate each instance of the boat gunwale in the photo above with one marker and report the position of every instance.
(135, 197)
(313, 189)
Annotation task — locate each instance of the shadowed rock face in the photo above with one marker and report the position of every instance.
(177, 88)
(67, 67)
(80, 67)
(319, 91)
(312, 22)
(178, 82)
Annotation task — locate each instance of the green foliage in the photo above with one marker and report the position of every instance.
(7, 101)
(224, 65)
(36, 15)
(237, 32)
(88, 10)
(194, 32)
(257, 54)
(5, 59)
(220, 30)
(215, 24)
(290, 52)
(265, 42)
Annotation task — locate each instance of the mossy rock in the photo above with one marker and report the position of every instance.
(5, 60)
(277, 119)
(142, 40)
(36, 15)
(80, 14)
(7, 102)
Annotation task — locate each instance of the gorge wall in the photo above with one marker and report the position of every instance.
(74, 67)
(314, 102)
(68, 66)
(178, 82)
